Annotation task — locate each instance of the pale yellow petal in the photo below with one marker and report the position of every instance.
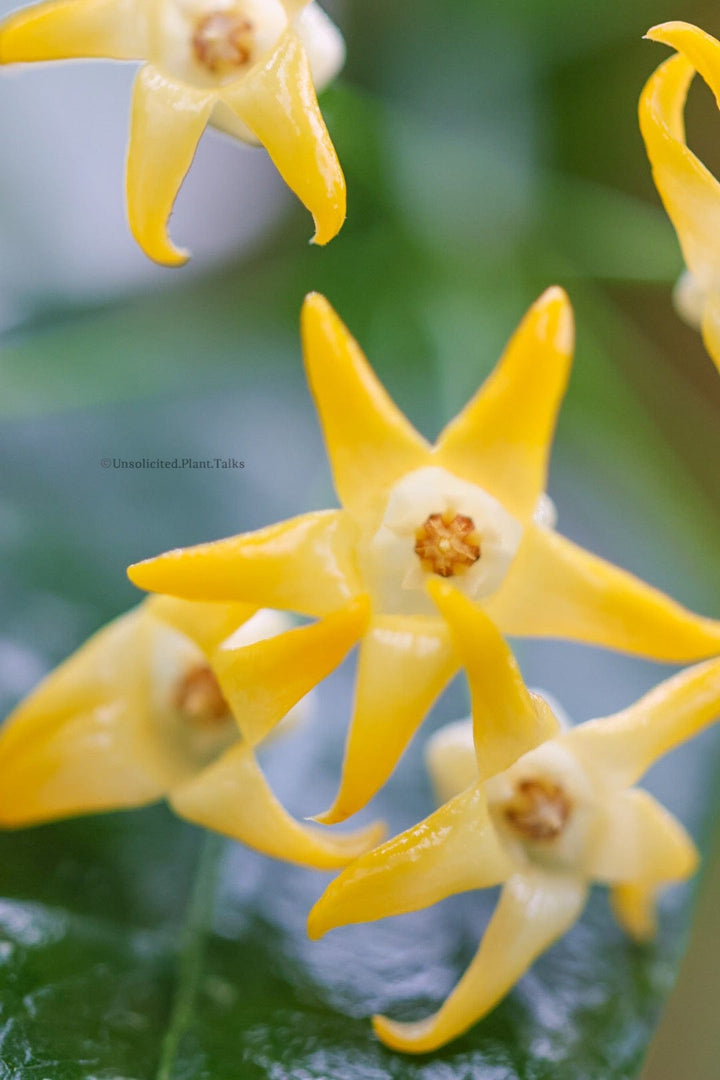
(625, 745)
(635, 908)
(370, 443)
(232, 797)
(405, 662)
(306, 564)
(278, 103)
(208, 625)
(450, 759)
(452, 851)
(64, 29)
(166, 123)
(262, 682)
(501, 440)
(556, 589)
(506, 722)
(534, 910)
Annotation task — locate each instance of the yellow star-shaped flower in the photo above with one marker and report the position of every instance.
(246, 66)
(541, 822)
(690, 193)
(469, 509)
(169, 701)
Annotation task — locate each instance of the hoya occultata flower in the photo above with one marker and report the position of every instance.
(542, 821)
(250, 67)
(470, 509)
(170, 701)
(689, 191)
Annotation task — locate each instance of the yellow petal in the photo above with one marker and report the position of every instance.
(232, 797)
(639, 841)
(369, 442)
(506, 722)
(556, 589)
(625, 745)
(689, 191)
(699, 48)
(501, 440)
(534, 910)
(63, 29)
(278, 103)
(405, 662)
(262, 682)
(305, 564)
(208, 625)
(453, 850)
(635, 908)
(166, 123)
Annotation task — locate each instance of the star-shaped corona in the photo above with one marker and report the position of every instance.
(470, 510)
(249, 67)
(543, 821)
(170, 701)
(689, 191)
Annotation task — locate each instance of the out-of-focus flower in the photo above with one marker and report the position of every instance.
(470, 508)
(689, 191)
(247, 66)
(169, 701)
(561, 816)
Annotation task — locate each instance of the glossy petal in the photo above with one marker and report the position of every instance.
(639, 841)
(278, 103)
(624, 746)
(453, 850)
(556, 589)
(233, 798)
(305, 564)
(63, 29)
(506, 723)
(208, 625)
(534, 910)
(369, 441)
(263, 682)
(405, 662)
(167, 120)
(635, 908)
(501, 440)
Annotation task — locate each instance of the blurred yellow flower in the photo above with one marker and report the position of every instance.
(544, 824)
(471, 508)
(246, 66)
(690, 193)
(169, 701)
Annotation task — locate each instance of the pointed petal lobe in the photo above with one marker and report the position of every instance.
(405, 661)
(635, 908)
(279, 105)
(369, 441)
(556, 589)
(534, 910)
(452, 851)
(232, 797)
(64, 29)
(501, 440)
(306, 564)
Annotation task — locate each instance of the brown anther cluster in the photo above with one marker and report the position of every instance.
(223, 39)
(539, 809)
(447, 543)
(199, 698)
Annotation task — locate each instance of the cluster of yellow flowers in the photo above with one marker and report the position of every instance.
(436, 553)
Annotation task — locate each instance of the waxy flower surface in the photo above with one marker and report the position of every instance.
(170, 701)
(250, 67)
(689, 191)
(470, 509)
(543, 821)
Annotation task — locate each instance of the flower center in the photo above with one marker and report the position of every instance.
(447, 543)
(199, 698)
(539, 810)
(223, 40)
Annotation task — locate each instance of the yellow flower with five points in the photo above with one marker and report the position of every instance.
(170, 701)
(540, 811)
(249, 67)
(689, 191)
(470, 509)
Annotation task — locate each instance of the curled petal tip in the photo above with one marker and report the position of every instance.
(409, 1038)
